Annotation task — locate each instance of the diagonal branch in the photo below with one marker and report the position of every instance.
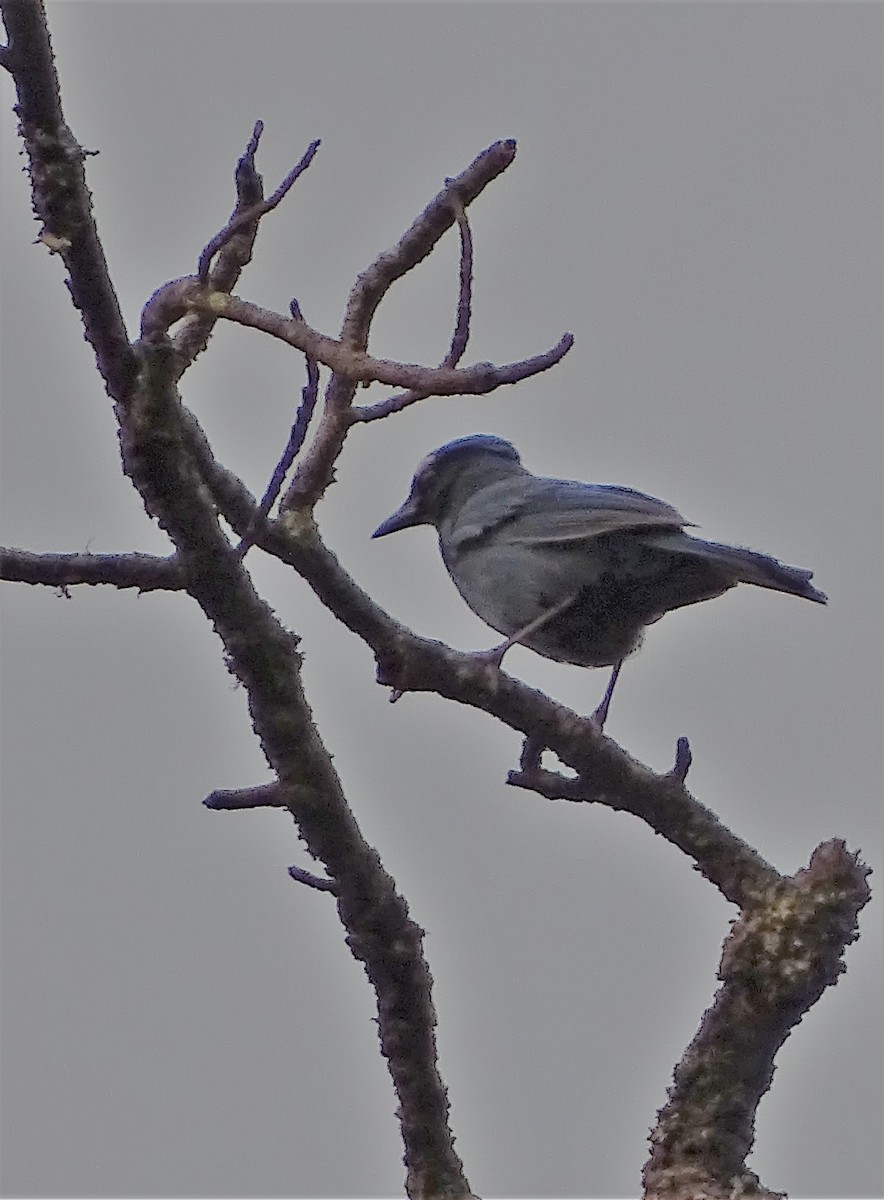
(663, 803)
(782, 954)
(418, 241)
(297, 436)
(248, 217)
(459, 338)
(234, 253)
(606, 773)
(264, 657)
(161, 452)
(61, 199)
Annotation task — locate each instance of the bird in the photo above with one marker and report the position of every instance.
(574, 571)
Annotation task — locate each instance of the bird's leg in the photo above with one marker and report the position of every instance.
(494, 656)
(601, 713)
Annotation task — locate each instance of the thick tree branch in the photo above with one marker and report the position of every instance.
(158, 443)
(263, 656)
(145, 572)
(782, 954)
(59, 194)
(788, 943)
(662, 802)
(606, 773)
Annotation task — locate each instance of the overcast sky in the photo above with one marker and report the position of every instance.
(697, 196)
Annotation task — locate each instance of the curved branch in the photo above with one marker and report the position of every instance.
(176, 299)
(459, 337)
(233, 253)
(418, 240)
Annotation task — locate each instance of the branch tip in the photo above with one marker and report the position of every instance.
(313, 881)
(683, 760)
(247, 218)
(267, 795)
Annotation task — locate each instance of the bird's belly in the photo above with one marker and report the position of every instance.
(515, 585)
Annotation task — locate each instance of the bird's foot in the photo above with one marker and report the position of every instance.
(600, 715)
(494, 656)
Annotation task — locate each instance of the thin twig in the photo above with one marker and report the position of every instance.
(461, 335)
(459, 338)
(309, 396)
(418, 241)
(251, 216)
(192, 336)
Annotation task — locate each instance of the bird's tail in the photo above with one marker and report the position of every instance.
(747, 566)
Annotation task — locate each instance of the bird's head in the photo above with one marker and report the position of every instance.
(447, 475)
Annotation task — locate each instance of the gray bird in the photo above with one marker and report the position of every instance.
(572, 570)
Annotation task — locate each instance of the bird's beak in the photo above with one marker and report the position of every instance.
(402, 518)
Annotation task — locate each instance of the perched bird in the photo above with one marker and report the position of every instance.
(572, 570)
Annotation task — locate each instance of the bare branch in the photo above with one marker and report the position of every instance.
(264, 657)
(145, 572)
(683, 760)
(314, 881)
(250, 217)
(193, 335)
(265, 795)
(60, 196)
(459, 337)
(174, 300)
(346, 357)
(309, 396)
(732, 865)
(232, 246)
(780, 957)
(607, 774)
(417, 241)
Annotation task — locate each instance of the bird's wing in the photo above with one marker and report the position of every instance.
(566, 511)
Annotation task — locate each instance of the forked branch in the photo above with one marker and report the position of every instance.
(788, 943)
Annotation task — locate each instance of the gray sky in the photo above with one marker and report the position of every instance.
(697, 196)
